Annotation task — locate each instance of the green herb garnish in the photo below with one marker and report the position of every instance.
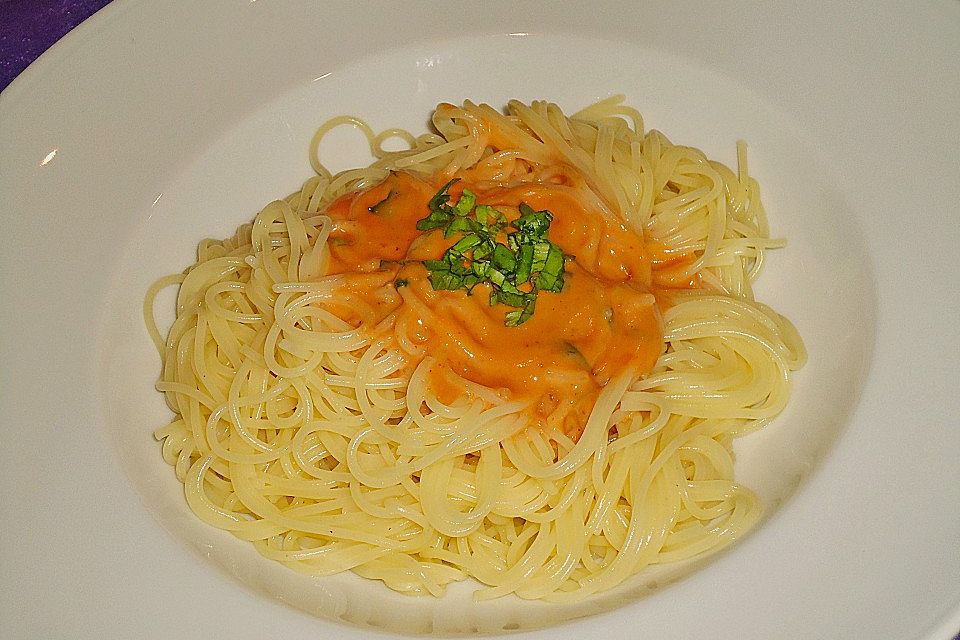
(375, 209)
(517, 270)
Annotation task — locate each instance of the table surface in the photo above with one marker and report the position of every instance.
(30, 27)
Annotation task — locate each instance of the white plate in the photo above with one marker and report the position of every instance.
(157, 123)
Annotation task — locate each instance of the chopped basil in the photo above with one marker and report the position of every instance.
(518, 317)
(575, 353)
(466, 203)
(528, 259)
(533, 223)
(375, 209)
(503, 259)
(550, 277)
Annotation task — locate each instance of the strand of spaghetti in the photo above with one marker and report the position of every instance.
(149, 318)
(431, 153)
(594, 431)
(329, 125)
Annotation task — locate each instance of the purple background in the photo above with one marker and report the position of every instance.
(30, 27)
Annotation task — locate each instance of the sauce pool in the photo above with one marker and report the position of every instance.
(603, 323)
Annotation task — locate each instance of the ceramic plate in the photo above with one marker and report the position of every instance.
(156, 124)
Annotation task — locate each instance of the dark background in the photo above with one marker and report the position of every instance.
(30, 27)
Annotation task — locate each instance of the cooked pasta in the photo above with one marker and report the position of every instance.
(393, 371)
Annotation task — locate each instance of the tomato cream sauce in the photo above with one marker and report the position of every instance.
(605, 322)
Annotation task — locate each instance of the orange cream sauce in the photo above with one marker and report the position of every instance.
(603, 323)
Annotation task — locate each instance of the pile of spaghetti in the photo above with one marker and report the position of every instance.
(517, 351)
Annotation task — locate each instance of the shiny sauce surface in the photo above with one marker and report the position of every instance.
(604, 323)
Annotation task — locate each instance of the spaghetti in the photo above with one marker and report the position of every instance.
(342, 412)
